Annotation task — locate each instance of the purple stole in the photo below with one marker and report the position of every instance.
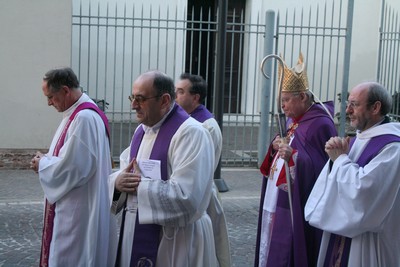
(201, 114)
(49, 211)
(339, 246)
(147, 236)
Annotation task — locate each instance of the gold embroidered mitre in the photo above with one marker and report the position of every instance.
(294, 79)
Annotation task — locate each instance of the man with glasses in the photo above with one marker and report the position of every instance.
(79, 229)
(164, 182)
(191, 91)
(356, 198)
(284, 238)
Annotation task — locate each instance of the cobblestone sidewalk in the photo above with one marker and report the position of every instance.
(21, 204)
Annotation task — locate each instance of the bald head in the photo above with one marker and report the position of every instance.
(374, 92)
(162, 83)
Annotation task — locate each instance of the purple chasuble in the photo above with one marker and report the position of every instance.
(49, 211)
(338, 251)
(147, 236)
(300, 246)
(201, 114)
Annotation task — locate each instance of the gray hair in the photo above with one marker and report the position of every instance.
(377, 92)
(57, 78)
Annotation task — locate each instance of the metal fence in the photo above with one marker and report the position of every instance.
(323, 34)
(389, 55)
(112, 45)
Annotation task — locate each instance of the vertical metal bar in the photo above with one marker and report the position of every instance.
(322, 52)
(200, 41)
(263, 133)
(308, 35)
(315, 46)
(88, 51)
(243, 104)
(121, 129)
(141, 41)
(378, 68)
(192, 32)
(114, 64)
(208, 46)
(393, 53)
(80, 41)
(232, 45)
(338, 52)
(184, 35)
(232, 42)
(293, 27)
(132, 68)
(166, 40)
(386, 47)
(397, 54)
(97, 54)
(346, 66)
(149, 40)
(220, 81)
(328, 78)
(272, 101)
(158, 39)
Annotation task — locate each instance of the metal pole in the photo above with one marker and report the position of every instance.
(220, 82)
(378, 68)
(346, 67)
(264, 132)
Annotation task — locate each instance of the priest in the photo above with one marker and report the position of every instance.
(284, 238)
(164, 182)
(79, 229)
(356, 199)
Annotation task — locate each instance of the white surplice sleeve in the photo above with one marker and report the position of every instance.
(76, 161)
(351, 200)
(123, 163)
(184, 197)
(216, 135)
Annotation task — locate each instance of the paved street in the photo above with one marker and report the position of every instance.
(21, 200)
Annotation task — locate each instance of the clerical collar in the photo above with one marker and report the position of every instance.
(83, 98)
(297, 119)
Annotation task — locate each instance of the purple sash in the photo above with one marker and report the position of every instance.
(201, 114)
(339, 246)
(49, 211)
(147, 236)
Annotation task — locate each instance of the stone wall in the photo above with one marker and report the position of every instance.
(16, 158)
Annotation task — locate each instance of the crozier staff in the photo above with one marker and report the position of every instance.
(309, 126)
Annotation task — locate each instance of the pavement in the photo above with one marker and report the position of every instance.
(21, 212)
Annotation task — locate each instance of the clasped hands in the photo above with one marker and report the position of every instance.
(337, 146)
(283, 149)
(35, 161)
(128, 180)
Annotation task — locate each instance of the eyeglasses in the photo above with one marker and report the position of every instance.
(140, 99)
(352, 104)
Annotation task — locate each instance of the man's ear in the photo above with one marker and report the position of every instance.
(197, 98)
(303, 96)
(66, 89)
(165, 100)
(376, 107)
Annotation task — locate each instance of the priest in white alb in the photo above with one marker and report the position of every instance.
(79, 229)
(164, 182)
(356, 199)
